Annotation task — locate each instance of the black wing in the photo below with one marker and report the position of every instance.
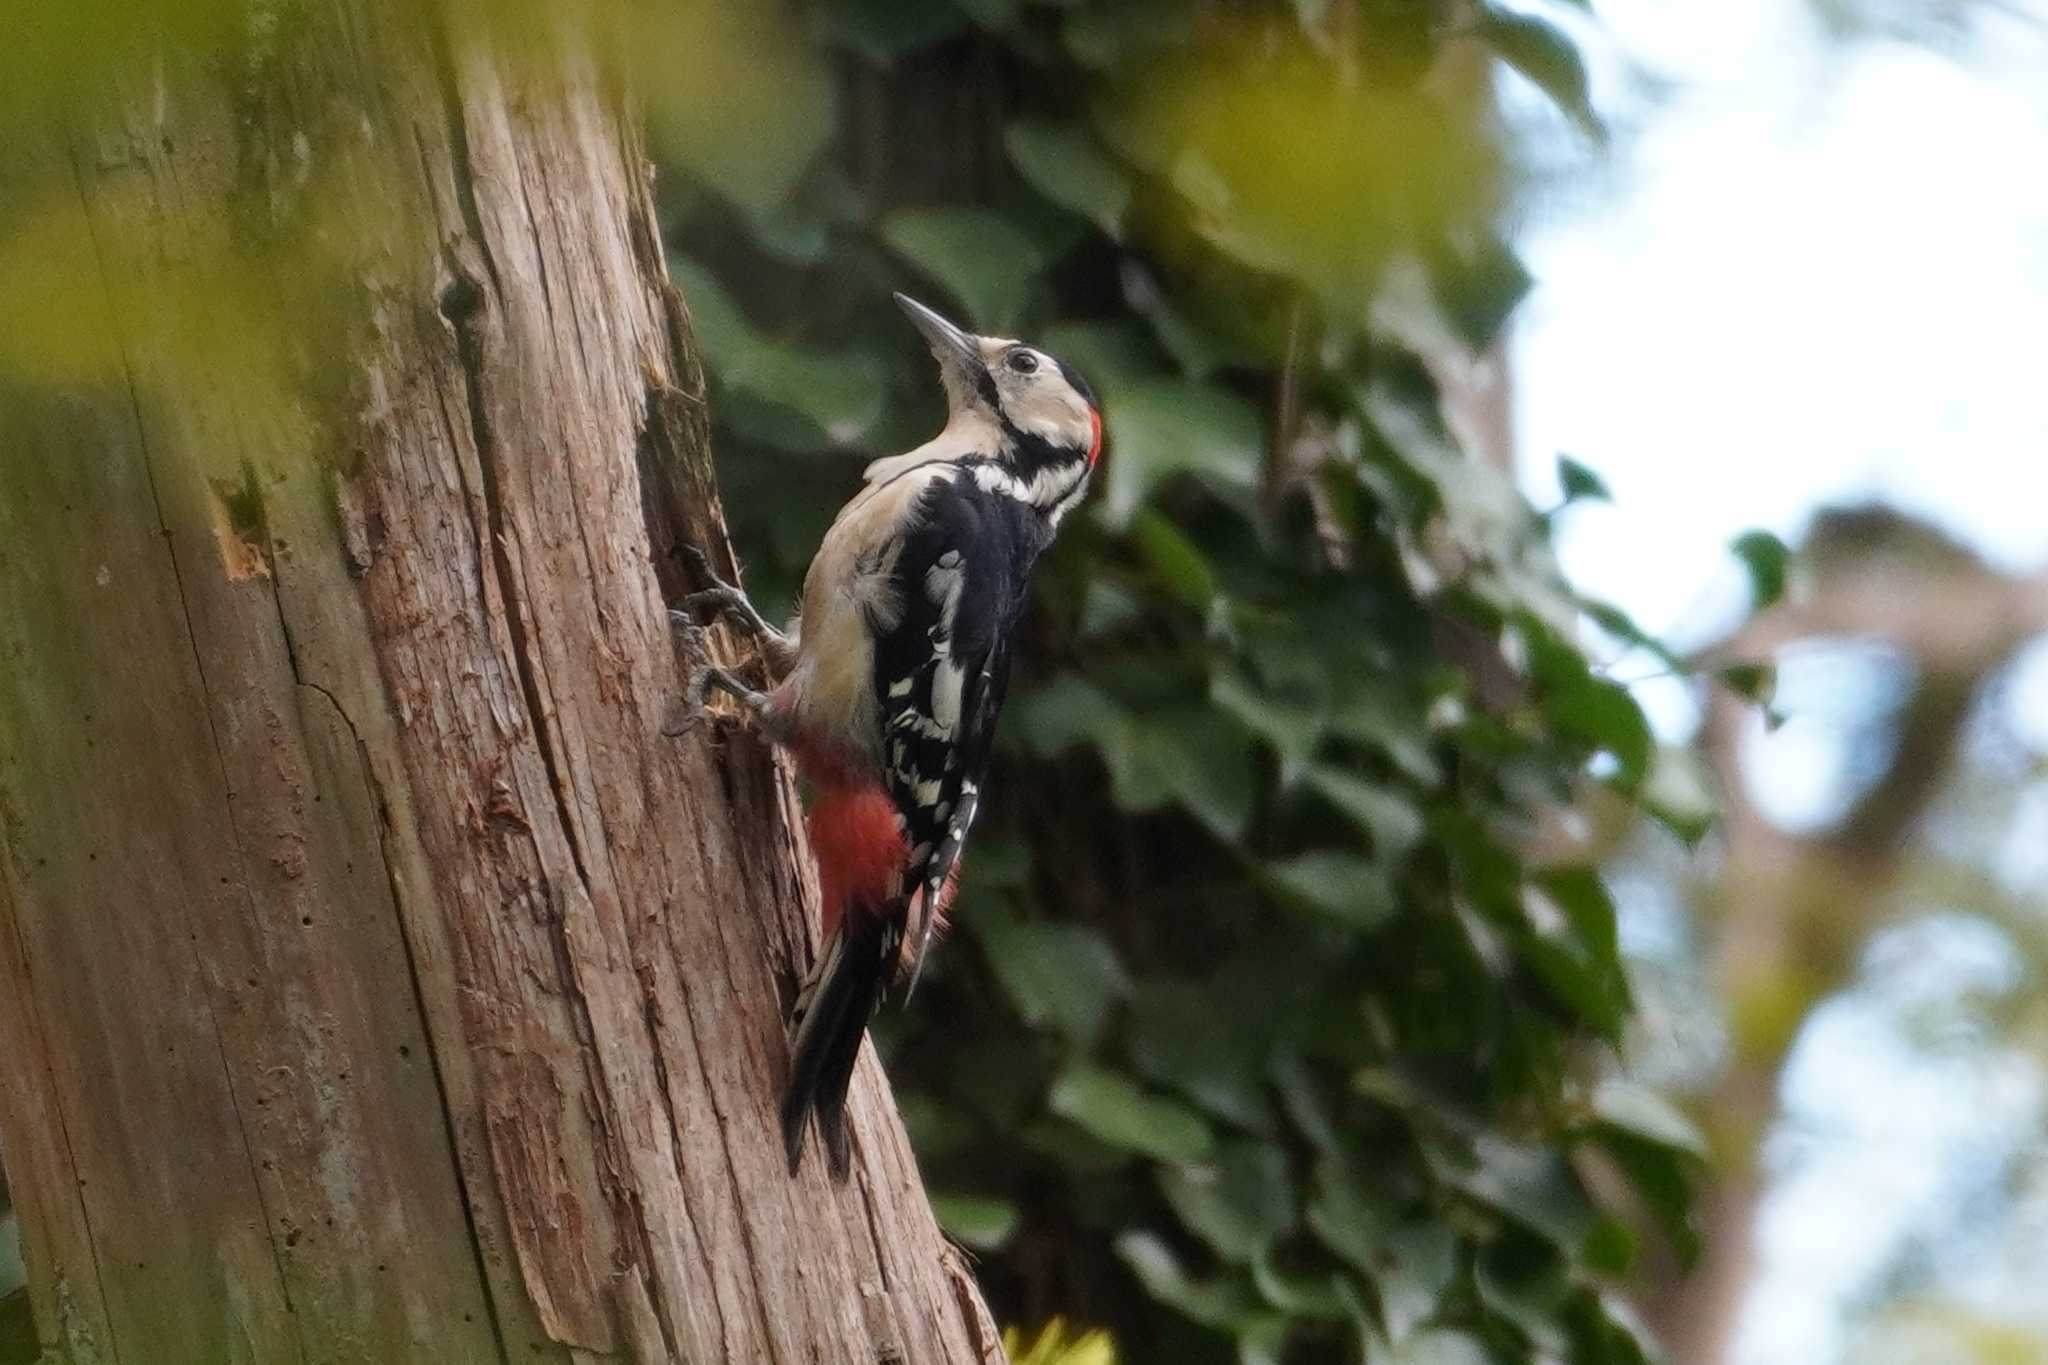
(941, 673)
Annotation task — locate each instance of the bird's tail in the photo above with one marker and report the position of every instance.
(832, 1016)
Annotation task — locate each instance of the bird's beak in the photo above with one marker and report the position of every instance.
(958, 352)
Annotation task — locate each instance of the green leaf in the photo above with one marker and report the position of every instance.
(1541, 52)
(1059, 975)
(1118, 1112)
(1239, 1201)
(785, 396)
(1293, 731)
(1178, 1038)
(1225, 1302)
(1679, 793)
(1581, 484)
(1572, 946)
(1603, 715)
(1531, 1186)
(1189, 755)
(884, 30)
(984, 261)
(1161, 429)
(1176, 561)
(1379, 720)
(984, 1224)
(1349, 889)
(1383, 812)
(1766, 559)
(1410, 1261)
(1062, 162)
(1318, 1296)
(1068, 711)
(1478, 287)
(1530, 1294)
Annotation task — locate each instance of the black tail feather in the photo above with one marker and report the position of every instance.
(832, 1019)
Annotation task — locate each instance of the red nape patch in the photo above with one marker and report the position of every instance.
(1095, 440)
(860, 851)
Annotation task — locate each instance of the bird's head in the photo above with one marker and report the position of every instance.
(1018, 405)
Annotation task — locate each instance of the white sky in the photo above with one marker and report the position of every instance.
(1820, 272)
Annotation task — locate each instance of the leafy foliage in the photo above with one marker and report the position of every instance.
(1266, 1039)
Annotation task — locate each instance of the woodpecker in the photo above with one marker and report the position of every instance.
(887, 686)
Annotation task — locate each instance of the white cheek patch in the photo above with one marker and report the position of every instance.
(1053, 412)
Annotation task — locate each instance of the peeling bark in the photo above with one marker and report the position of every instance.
(377, 981)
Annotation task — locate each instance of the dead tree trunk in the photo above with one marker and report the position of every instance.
(377, 982)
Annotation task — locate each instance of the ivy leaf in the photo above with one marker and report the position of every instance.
(785, 396)
(1532, 1187)
(984, 1224)
(1161, 429)
(1225, 1302)
(1580, 483)
(1540, 51)
(1062, 162)
(1410, 1261)
(1765, 558)
(1239, 1201)
(1176, 561)
(1344, 886)
(1178, 1038)
(1603, 715)
(1381, 811)
(1636, 1110)
(1062, 976)
(1572, 946)
(983, 259)
(1118, 1112)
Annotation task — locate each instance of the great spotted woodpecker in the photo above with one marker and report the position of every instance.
(887, 688)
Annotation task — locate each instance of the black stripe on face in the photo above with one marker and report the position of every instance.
(1079, 385)
(985, 385)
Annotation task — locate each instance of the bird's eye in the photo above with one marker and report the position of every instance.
(1023, 362)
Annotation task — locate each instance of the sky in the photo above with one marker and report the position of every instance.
(1812, 270)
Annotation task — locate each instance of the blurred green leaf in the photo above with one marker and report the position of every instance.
(983, 260)
(1238, 1201)
(1602, 714)
(1532, 1186)
(1178, 1038)
(1160, 429)
(1120, 1113)
(1176, 561)
(792, 398)
(1224, 1301)
(1292, 730)
(1058, 975)
(1766, 559)
(1573, 946)
(1540, 51)
(1531, 1295)
(984, 1224)
(1384, 812)
(1409, 1261)
(1348, 888)
(1580, 483)
(1062, 162)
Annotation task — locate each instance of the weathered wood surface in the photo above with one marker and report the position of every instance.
(377, 981)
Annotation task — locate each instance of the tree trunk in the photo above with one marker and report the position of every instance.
(377, 981)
